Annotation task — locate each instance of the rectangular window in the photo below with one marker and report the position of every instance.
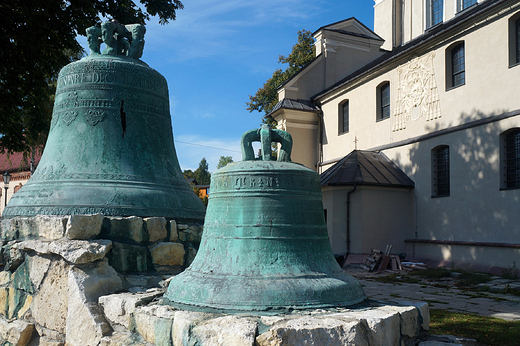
(385, 101)
(441, 171)
(463, 4)
(517, 40)
(513, 160)
(343, 117)
(458, 66)
(436, 12)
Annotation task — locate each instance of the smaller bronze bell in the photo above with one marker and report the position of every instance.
(265, 245)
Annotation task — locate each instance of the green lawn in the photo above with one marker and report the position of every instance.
(486, 330)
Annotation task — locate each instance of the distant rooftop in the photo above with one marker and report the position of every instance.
(15, 162)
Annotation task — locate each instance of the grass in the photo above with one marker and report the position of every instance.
(433, 273)
(396, 279)
(486, 330)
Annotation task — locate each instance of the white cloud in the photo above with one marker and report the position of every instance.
(192, 148)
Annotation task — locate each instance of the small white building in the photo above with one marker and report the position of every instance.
(427, 108)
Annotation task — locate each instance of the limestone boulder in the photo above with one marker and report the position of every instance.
(86, 323)
(174, 235)
(156, 228)
(184, 322)
(190, 234)
(409, 318)
(73, 251)
(51, 227)
(154, 323)
(38, 267)
(84, 227)
(226, 330)
(167, 254)
(127, 228)
(49, 305)
(17, 332)
(128, 258)
(384, 326)
(119, 308)
(307, 330)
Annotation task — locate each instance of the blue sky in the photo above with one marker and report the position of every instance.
(216, 53)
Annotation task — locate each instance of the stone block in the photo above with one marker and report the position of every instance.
(127, 258)
(424, 312)
(183, 323)
(119, 308)
(4, 301)
(51, 227)
(8, 229)
(226, 330)
(84, 227)
(86, 323)
(127, 228)
(167, 254)
(17, 300)
(384, 326)
(43, 341)
(174, 235)
(5, 278)
(17, 332)
(38, 267)
(409, 318)
(154, 323)
(191, 234)
(307, 330)
(49, 306)
(156, 227)
(73, 251)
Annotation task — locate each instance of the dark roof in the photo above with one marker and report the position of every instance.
(326, 27)
(300, 105)
(354, 34)
(461, 18)
(365, 168)
(15, 162)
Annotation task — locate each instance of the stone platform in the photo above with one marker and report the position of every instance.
(89, 280)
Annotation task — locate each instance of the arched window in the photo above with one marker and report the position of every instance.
(510, 159)
(514, 39)
(455, 65)
(383, 101)
(343, 117)
(441, 171)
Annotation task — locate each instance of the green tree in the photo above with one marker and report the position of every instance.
(224, 161)
(37, 39)
(202, 174)
(188, 174)
(267, 96)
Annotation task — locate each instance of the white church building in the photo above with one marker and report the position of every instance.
(414, 128)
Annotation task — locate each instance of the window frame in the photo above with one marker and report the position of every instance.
(440, 171)
(341, 117)
(383, 101)
(451, 65)
(510, 159)
(514, 40)
(431, 15)
(461, 4)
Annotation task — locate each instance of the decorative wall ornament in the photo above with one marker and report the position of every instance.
(94, 116)
(417, 94)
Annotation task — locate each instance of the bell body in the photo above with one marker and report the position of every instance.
(110, 147)
(265, 245)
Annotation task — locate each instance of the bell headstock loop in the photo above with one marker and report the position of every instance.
(266, 136)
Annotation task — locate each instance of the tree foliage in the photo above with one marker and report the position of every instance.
(224, 161)
(267, 96)
(37, 39)
(202, 174)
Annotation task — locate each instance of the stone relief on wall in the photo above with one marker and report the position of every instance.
(417, 95)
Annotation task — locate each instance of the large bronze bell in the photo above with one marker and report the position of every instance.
(110, 148)
(265, 245)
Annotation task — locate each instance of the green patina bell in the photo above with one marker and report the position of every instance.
(265, 245)
(110, 147)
